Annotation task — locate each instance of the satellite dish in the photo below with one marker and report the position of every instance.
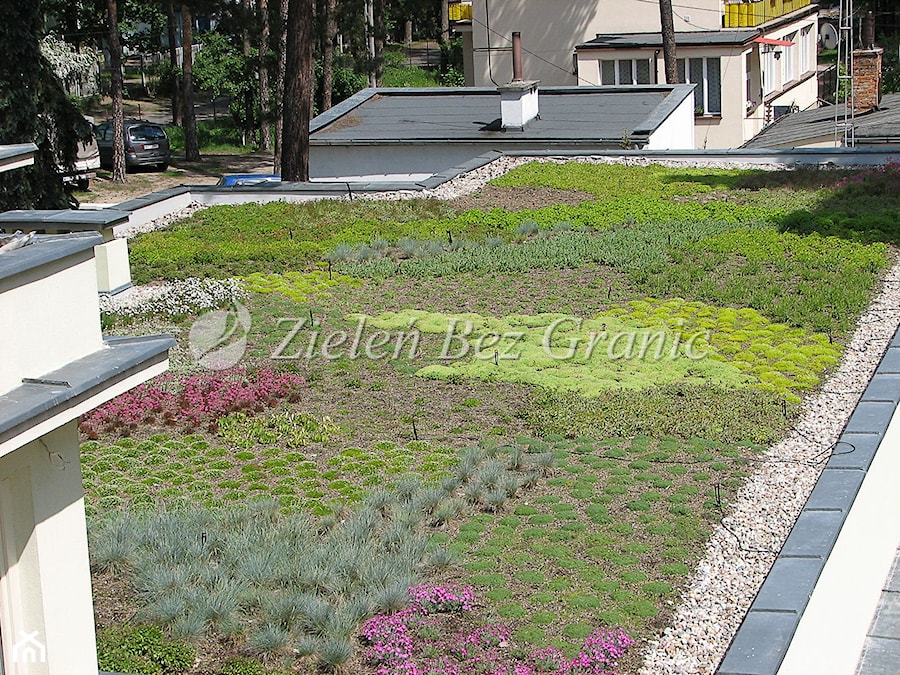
(828, 36)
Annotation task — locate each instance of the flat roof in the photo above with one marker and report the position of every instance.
(874, 127)
(698, 38)
(472, 114)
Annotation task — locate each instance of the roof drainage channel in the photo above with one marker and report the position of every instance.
(765, 635)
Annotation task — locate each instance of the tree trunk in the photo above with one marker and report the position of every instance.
(279, 83)
(445, 21)
(668, 41)
(118, 118)
(248, 96)
(379, 41)
(264, 108)
(191, 145)
(173, 61)
(369, 13)
(298, 91)
(328, 52)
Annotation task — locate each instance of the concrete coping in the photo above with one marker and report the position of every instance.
(42, 396)
(44, 251)
(63, 220)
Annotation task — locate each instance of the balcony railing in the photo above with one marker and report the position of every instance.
(461, 11)
(750, 14)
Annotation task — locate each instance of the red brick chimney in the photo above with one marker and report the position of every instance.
(867, 70)
(866, 79)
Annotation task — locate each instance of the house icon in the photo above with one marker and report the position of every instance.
(29, 649)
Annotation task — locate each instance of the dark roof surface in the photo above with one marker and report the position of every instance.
(571, 114)
(878, 126)
(699, 38)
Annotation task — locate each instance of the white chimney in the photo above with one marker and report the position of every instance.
(519, 98)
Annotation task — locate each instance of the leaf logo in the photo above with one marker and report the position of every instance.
(218, 339)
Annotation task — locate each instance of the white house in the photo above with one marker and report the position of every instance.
(750, 61)
(55, 366)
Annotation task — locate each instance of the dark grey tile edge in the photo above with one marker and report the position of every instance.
(890, 362)
(883, 386)
(760, 644)
(871, 416)
(835, 490)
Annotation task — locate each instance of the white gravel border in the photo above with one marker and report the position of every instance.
(765, 509)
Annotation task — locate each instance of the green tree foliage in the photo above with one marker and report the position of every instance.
(34, 108)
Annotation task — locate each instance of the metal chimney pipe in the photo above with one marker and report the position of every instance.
(517, 56)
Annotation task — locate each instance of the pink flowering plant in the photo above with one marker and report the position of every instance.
(192, 402)
(398, 644)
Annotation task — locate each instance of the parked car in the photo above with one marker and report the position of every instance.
(146, 144)
(237, 179)
(86, 163)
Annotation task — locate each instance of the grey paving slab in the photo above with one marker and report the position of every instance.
(883, 387)
(789, 585)
(887, 617)
(836, 489)
(760, 645)
(891, 361)
(854, 451)
(881, 656)
(896, 341)
(814, 534)
(871, 416)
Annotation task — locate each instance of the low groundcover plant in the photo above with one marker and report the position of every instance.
(398, 643)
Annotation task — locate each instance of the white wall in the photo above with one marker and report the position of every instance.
(48, 321)
(358, 160)
(677, 131)
(552, 28)
(45, 584)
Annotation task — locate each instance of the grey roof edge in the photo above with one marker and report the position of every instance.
(44, 251)
(347, 105)
(154, 198)
(669, 104)
(449, 174)
(830, 500)
(72, 220)
(15, 150)
(30, 404)
(722, 36)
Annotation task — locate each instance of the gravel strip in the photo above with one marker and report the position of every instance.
(128, 231)
(738, 558)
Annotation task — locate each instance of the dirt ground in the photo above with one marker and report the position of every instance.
(519, 198)
(143, 181)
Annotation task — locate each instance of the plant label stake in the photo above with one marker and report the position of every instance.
(415, 431)
(496, 358)
(330, 278)
(449, 238)
(311, 320)
(718, 488)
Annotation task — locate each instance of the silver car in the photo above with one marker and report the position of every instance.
(146, 144)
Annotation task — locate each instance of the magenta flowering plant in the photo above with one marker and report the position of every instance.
(450, 598)
(193, 401)
(395, 646)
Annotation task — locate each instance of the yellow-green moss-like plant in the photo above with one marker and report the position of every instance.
(642, 344)
(297, 286)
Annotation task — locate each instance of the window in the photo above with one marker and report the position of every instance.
(770, 82)
(804, 49)
(625, 71)
(706, 74)
(788, 61)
